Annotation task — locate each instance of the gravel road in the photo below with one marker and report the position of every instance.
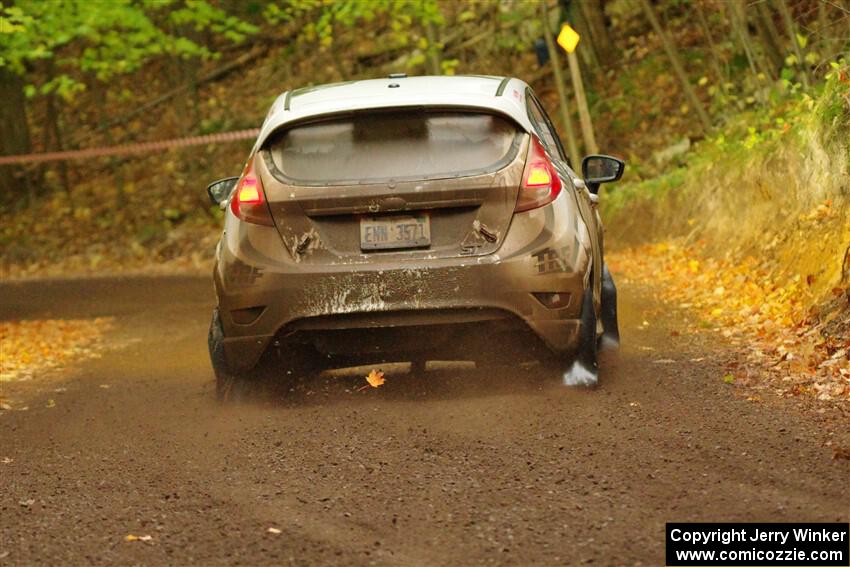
(441, 468)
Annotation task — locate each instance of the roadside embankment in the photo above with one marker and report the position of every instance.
(752, 233)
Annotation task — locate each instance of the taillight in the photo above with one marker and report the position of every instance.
(249, 200)
(540, 181)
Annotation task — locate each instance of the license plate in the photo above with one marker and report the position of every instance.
(411, 231)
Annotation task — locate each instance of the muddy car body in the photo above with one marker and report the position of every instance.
(383, 218)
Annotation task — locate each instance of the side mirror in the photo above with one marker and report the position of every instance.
(220, 190)
(598, 169)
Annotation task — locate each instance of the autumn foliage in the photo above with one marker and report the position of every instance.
(793, 344)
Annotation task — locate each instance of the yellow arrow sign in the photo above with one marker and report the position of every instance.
(568, 38)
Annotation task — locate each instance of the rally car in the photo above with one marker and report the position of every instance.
(410, 218)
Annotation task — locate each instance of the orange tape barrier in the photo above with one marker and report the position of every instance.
(139, 148)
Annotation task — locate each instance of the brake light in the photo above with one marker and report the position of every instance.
(249, 200)
(540, 181)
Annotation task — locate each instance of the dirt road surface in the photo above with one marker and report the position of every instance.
(442, 468)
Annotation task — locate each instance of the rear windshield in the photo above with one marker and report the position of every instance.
(379, 146)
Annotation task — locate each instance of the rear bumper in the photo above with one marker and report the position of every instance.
(540, 254)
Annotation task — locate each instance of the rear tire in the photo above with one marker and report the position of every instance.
(582, 369)
(610, 326)
(229, 385)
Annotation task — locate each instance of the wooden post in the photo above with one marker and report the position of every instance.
(572, 146)
(581, 101)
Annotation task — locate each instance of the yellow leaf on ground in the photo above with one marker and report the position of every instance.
(757, 305)
(375, 378)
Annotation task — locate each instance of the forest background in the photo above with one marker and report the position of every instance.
(733, 117)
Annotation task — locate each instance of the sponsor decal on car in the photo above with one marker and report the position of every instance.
(561, 259)
(241, 274)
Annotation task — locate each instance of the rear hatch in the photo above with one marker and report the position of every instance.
(399, 184)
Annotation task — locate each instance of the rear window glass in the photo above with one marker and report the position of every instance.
(372, 147)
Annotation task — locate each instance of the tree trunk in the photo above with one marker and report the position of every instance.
(52, 126)
(588, 53)
(572, 145)
(738, 19)
(769, 37)
(823, 22)
(719, 69)
(114, 163)
(594, 15)
(433, 54)
(193, 100)
(336, 59)
(14, 136)
(791, 29)
(53, 133)
(677, 65)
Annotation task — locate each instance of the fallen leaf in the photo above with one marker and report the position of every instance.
(131, 537)
(44, 344)
(375, 378)
(51, 403)
(840, 453)
(775, 320)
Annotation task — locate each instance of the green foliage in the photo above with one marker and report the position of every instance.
(525, 23)
(832, 110)
(104, 39)
(323, 18)
(649, 189)
(755, 134)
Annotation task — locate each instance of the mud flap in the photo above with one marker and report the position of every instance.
(225, 379)
(583, 369)
(610, 328)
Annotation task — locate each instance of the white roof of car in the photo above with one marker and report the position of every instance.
(504, 95)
